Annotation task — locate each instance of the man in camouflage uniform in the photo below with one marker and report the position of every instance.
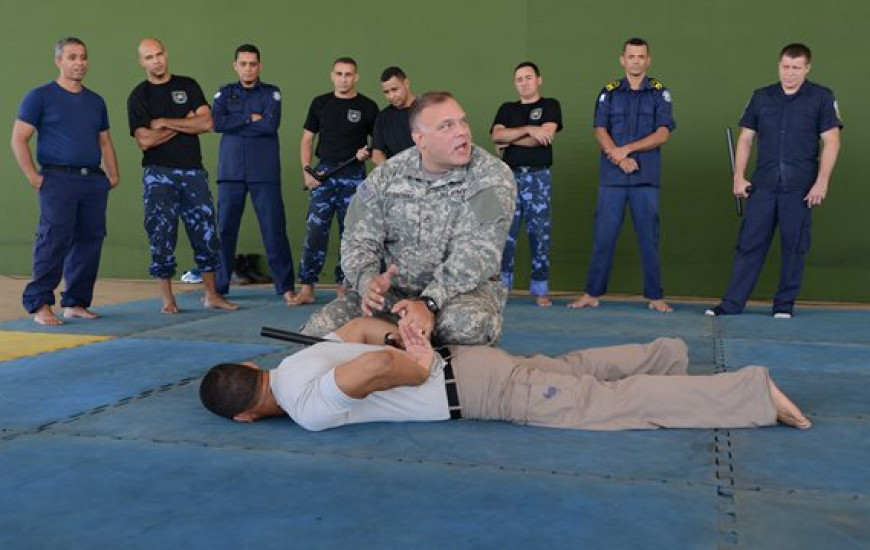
(437, 216)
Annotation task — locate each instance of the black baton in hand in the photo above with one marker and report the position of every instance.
(323, 176)
(738, 204)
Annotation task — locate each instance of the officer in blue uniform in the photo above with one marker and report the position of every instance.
(790, 178)
(73, 137)
(248, 113)
(632, 121)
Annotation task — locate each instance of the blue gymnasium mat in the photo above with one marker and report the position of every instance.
(131, 458)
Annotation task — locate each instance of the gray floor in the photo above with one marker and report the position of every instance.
(106, 445)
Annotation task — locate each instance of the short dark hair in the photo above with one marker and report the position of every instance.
(426, 100)
(229, 389)
(346, 60)
(635, 42)
(796, 50)
(59, 45)
(530, 65)
(390, 72)
(247, 48)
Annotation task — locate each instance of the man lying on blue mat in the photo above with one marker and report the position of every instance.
(352, 380)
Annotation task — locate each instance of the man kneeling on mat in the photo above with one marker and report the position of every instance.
(354, 380)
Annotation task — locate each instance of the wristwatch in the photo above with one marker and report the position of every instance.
(431, 304)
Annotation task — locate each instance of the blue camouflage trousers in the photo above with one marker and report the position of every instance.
(533, 206)
(330, 198)
(171, 194)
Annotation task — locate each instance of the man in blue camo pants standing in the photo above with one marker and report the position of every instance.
(524, 130)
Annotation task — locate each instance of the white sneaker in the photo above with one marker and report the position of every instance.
(782, 315)
(191, 276)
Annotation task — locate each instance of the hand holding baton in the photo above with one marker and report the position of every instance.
(738, 202)
(323, 176)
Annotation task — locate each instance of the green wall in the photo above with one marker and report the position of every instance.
(710, 54)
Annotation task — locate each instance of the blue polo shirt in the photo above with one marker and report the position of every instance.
(629, 115)
(68, 125)
(249, 151)
(788, 129)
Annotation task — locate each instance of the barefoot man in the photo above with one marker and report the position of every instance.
(167, 113)
(357, 379)
(73, 137)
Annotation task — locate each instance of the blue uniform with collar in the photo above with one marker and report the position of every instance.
(249, 162)
(629, 115)
(787, 129)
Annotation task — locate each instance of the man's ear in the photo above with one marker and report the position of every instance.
(246, 416)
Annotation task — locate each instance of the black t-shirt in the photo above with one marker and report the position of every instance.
(514, 114)
(343, 125)
(392, 131)
(174, 99)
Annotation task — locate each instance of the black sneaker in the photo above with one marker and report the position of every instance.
(715, 312)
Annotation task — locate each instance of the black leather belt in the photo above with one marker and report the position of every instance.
(450, 385)
(80, 170)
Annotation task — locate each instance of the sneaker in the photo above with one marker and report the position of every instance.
(715, 312)
(782, 315)
(192, 276)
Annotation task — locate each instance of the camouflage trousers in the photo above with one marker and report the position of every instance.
(171, 194)
(331, 198)
(473, 318)
(533, 206)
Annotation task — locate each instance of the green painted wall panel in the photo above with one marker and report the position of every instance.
(710, 54)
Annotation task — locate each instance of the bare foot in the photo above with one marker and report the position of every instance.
(660, 305)
(169, 306)
(289, 296)
(304, 297)
(786, 411)
(78, 312)
(584, 301)
(45, 316)
(216, 301)
(543, 301)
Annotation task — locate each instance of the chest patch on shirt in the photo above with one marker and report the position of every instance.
(536, 113)
(353, 115)
(179, 97)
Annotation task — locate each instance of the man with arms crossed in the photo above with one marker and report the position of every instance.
(73, 136)
(524, 131)
(632, 121)
(248, 113)
(343, 119)
(790, 178)
(167, 113)
(354, 380)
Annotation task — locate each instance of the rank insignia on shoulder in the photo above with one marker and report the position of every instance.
(217, 95)
(612, 85)
(656, 83)
(276, 95)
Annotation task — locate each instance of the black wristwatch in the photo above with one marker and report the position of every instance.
(431, 304)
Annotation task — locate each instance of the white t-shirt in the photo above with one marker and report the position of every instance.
(304, 386)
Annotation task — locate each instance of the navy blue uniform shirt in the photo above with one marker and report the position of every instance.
(629, 115)
(249, 151)
(788, 129)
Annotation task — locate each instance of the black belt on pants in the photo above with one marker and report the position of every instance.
(450, 385)
(80, 170)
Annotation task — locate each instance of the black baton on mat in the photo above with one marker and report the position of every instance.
(288, 336)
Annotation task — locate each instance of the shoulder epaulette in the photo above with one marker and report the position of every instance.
(612, 85)
(656, 83)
